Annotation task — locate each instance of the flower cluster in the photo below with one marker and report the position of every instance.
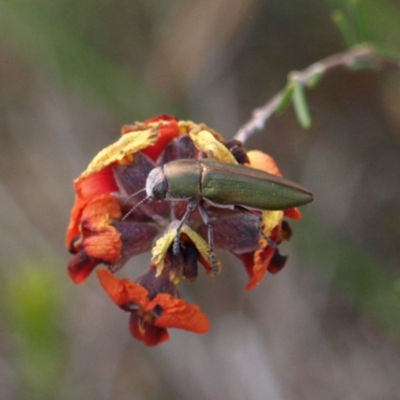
(111, 222)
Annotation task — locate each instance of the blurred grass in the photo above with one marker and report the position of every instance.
(361, 278)
(52, 45)
(374, 20)
(33, 310)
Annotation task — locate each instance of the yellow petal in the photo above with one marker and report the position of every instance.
(176, 276)
(160, 249)
(127, 145)
(201, 245)
(187, 126)
(207, 143)
(162, 245)
(270, 220)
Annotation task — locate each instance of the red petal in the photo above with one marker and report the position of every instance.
(259, 261)
(177, 313)
(149, 334)
(80, 267)
(264, 162)
(100, 210)
(256, 264)
(162, 117)
(123, 291)
(105, 246)
(293, 213)
(99, 183)
(75, 220)
(168, 131)
(101, 241)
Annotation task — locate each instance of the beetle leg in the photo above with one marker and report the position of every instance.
(269, 240)
(192, 203)
(213, 257)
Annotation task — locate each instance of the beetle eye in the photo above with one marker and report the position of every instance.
(156, 184)
(160, 190)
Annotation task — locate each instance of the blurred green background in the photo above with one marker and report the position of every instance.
(326, 327)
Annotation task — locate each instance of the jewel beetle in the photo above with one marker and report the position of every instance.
(223, 185)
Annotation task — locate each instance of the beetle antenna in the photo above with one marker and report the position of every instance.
(135, 206)
(134, 195)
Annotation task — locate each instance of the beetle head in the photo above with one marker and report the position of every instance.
(156, 184)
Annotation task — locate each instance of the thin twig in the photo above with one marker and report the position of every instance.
(362, 55)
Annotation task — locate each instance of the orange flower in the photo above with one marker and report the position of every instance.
(99, 240)
(112, 221)
(121, 170)
(95, 233)
(99, 177)
(95, 185)
(104, 239)
(150, 317)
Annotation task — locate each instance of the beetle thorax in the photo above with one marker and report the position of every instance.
(156, 184)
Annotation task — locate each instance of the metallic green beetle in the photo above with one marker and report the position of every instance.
(222, 185)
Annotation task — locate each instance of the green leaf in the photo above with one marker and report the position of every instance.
(300, 103)
(349, 37)
(360, 21)
(286, 99)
